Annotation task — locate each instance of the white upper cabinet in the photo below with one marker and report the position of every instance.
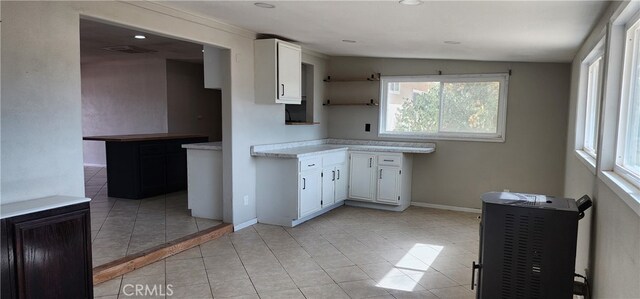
(278, 74)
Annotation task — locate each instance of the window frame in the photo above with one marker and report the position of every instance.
(627, 91)
(596, 100)
(499, 136)
(585, 154)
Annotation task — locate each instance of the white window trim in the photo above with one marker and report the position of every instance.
(585, 156)
(503, 78)
(629, 65)
(615, 49)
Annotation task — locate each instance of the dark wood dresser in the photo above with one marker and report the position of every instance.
(144, 165)
(46, 249)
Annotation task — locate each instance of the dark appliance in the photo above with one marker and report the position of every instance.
(527, 246)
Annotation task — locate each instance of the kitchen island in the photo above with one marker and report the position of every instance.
(145, 165)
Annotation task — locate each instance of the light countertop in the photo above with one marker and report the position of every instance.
(307, 148)
(13, 209)
(211, 146)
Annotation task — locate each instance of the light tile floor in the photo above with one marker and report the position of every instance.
(121, 227)
(347, 253)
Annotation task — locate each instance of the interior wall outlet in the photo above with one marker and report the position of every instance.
(506, 190)
(246, 200)
(367, 127)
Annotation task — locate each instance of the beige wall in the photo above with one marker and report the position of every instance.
(531, 159)
(122, 96)
(190, 107)
(609, 236)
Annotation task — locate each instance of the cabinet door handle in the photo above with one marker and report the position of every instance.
(388, 160)
(338, 174)
(304, 183)
(380, 173)
(334, 175)
(282, 89)
(370, 161)
(474, 267)
(311, 165)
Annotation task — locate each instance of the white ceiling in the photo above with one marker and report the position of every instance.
(540, 31)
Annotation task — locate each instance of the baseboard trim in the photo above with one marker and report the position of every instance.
(245, 224)
(445, 207)
(94, 165)
(132, 262)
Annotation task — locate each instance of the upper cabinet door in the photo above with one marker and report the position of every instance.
(289, 74)
(277, 72)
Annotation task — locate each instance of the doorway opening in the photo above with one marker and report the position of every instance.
(136, 83)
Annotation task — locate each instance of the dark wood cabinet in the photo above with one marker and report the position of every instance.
(47, 254)
(144, 168)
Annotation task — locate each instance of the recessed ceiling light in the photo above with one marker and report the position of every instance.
(348, 41)
(452, 42)
(139, 36)
(410, 2)
(264, 5)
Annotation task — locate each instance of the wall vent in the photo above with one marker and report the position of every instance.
(129, 49)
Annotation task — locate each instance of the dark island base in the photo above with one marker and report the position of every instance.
(140, 169)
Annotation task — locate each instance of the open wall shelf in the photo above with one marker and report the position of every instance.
(371, 103)
(375, 77)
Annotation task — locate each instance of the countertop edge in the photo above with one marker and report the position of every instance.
(210, 146)
(35, 205)
(380, 149)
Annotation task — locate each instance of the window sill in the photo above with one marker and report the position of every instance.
(629, 193)
(587, 160)
(474, 138)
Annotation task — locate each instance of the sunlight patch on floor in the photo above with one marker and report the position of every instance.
(414, 263)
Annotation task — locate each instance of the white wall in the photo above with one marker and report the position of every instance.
(122, 96)
(609, 236)
(41, 120)
(41, 116)
(190, 107)
(531, 159)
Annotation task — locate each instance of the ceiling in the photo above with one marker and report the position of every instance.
(536, 31)
(94, 36)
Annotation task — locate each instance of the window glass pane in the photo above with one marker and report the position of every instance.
(470, 107)
(631, 158)
(593, 107)
(414, 108)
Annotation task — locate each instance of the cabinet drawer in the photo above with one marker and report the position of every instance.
(391, 160)
(334, 158)
(152, 149)
(310, 163)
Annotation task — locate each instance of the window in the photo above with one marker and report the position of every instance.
(592, 121)
(394, 87)
(628, 149)
(452, 107)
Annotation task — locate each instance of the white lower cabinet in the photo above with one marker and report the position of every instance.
(362, 180)
(380, 178)
(309, 192)
(388, 184)
(291, 191)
